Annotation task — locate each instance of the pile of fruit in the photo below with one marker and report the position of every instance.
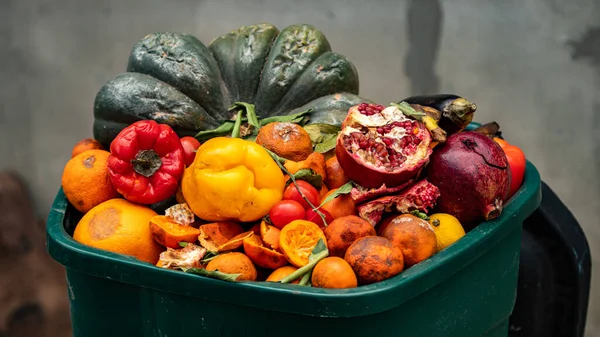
(253, 159)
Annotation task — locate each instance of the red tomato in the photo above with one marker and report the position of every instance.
(190, 145)
(285, 212)
(313, 216)
(309, 191)
(516, 163)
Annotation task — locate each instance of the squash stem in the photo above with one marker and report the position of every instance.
(236, 127)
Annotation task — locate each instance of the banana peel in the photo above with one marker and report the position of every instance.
(427, 116)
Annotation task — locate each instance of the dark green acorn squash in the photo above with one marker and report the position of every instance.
(177, 80)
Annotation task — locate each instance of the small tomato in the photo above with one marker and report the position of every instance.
(313, 216)
(516, 163)
(308, 190)
(284, 212)
(190, 145)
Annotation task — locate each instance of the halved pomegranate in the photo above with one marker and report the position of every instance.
(379, 145)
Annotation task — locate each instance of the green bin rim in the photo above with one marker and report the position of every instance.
(307, 301)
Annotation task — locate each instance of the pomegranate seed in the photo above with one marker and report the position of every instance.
(363, 144)
(380, 130)
(388, 141)
(416, 141)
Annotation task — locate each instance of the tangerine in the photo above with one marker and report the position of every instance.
(234, 263)
(413, 235)
(84, 145)
(298, 239)
(335, 174)
(169, 233)
(119, 226)
(374, 259)
(286, 139)
(281, 273)
(340, 206)
(333, 272)
(343, 231)
(86, 181)
(315, 161)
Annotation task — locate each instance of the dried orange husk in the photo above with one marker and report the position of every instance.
(169, 233)
(262, 256)
(216, 234)
(270, 236)
(235, 242)
(185, 258)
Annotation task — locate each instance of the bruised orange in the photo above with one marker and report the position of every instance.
(335, 174)
(215, 234)
(287, 140)
(119, 226)
(343, 231)
(413, 235)
(261, 255)
(84, 145)
(281, 273)
(234, 263)
(333, 272)
(85, 180)
(340, 206)
(374, 259)
(298, 239)
(169, 233)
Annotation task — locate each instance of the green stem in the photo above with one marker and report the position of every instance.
(236, 126)
(305, 269)
(305, 278)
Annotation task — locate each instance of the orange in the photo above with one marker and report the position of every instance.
(287, 140)
(323, 191)
(213, 235)
(234, 263)
(270, 235)
(84, 145)
(85, 180)
(315, 161)
(261, 255)
(374, 259)
(335, 175)
(343, 231)
(169, 233)
(298, 239)
(340, 206)
(414, 236)
(333, 272)
(119, 226)
(281, 273)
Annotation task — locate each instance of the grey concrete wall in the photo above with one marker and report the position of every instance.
(533, 66)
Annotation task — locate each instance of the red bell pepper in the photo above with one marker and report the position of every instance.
(146, 162)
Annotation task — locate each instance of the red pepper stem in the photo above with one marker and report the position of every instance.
(146, 163)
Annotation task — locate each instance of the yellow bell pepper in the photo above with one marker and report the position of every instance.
(232, 179)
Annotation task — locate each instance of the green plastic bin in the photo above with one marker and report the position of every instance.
(467, 290)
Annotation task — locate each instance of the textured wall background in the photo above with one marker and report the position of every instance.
(533, 66)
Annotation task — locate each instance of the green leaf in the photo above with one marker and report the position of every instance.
(324, 128)
(409, 110)
(294, 118)
(250, 112)
(309, 176)
(344, 189)
(214, 274)
(314, 133)
(183, 244)
(329, 142)
(420, 214)
(221, 130)
(320, 248)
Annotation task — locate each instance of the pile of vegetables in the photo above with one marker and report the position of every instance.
(253, 158)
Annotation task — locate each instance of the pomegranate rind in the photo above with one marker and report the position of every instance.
(421, 196)
(370, 176)
(360, 194)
